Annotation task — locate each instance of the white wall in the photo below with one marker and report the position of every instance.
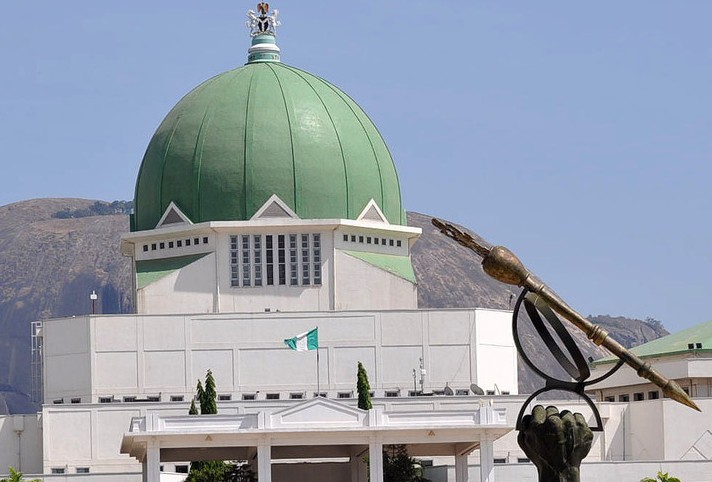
(20, 443)
(67, 359)
(361, 286)
(191, 289)
(167, 354)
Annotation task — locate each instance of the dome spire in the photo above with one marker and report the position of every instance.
(263, 29)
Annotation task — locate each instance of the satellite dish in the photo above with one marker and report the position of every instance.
(476, 389)
(447, 390)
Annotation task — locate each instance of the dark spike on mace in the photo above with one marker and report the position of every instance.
(503, 265)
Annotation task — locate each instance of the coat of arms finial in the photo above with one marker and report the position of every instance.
(263, 22)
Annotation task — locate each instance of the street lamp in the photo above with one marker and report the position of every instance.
(93, 297)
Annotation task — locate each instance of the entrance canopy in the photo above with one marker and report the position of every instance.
(315, 429)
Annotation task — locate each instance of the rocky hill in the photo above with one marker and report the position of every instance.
(54, 252)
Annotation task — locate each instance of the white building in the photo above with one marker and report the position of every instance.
(268, 204)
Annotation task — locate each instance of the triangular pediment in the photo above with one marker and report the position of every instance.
(173, 216)
(319, 411)
(275, 208)
(372, 213)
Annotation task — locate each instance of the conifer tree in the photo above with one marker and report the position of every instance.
(363, 388)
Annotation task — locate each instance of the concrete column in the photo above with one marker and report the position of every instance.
(375, 460)
(461, 470)
(152, 462)
(487, 461)
(264, 462)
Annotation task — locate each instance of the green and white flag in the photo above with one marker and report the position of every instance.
(306, 341)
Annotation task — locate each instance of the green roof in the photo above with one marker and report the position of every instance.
(400, 266)
(674, 344)
(263, 129)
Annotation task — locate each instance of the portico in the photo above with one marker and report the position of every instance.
(318, 430)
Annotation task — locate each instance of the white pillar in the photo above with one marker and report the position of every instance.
(486, 461)
(152, 462)
(264, 462)
(461, 469)
(375, 460)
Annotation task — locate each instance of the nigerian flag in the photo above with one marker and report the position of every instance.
(306, 341)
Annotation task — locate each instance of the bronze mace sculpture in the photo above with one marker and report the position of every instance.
(503, 265)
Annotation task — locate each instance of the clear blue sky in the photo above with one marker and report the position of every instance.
(577, 133)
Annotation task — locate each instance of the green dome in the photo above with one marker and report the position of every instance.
(263, 129)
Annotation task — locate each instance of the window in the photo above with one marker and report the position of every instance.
(272, 396)
(129, 399)
(296, 396)
(609, 399)
(170, 244)
(344, 395)
(398, 243)
(390, 242)
(76, 400)
(383, 241)
(346, 237)
(162, 245)
(106, 399)
(360, 239)
(58, 401)
(269, 255)
(368, 239)
(234, 262)
(179, 243)
(249, 396)
(153, 246)
(638, 396)
(196, 241)
(490, 392)
(392, 393)
(281, 260)
(176, 398)
(353, 238)
(245, 252)
(624, 398)
(500, 460)
(82, 470)
(306, 279)
(505, 392)
(320, 394)
(522, 460)
(57, 470)
(187, 242)
(153, 398)
(145, 248)
(257, 241)
(293, 263)
(275, 259)
(205, 240)
(181, 469)
(463, 391)
(316, 245)
(224, 398)
(375, 240)
(412, 393)
(654, 395)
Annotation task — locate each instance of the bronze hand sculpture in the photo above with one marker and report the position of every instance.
(555, 442)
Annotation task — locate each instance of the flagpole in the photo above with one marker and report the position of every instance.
(318, 377)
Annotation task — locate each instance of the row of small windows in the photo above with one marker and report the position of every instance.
(277, 396)
(174, 244)
(63, 470)
(638, 396)
(281, 259)
(357, 238)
